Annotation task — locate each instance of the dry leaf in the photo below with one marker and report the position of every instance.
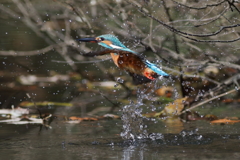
(173, 109)
(89, 119)
(45, 103)
(225, 121)
(210, 117)
(150, 115)
(165, 91)
(227, 100)
(74, 118)
(113, 116)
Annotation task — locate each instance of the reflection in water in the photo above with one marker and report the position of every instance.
(154, 149)
(132, 152)
(86, 141)
(174, 125)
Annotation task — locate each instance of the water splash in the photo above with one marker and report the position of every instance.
(133, 121)
(133, 126)
(120, 80)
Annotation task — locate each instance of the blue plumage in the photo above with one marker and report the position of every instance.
(156, 69)
(115, 42)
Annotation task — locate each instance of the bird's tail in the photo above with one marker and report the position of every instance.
(156, 69)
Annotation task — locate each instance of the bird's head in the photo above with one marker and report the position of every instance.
(108, 41)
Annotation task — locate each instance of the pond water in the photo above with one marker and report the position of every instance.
(100, 140)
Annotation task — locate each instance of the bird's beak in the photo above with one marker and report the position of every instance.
(90, 39)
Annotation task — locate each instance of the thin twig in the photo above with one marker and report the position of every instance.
(220, 86)
(34, 103)
(236, 66)
(187, 34)
(221, 95)
(93, 61)
(114, 104)
(81, 15)
(200, 8)
(30, 53)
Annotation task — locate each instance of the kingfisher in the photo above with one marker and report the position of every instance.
(141, 70)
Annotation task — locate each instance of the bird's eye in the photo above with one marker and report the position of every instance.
(99, 39)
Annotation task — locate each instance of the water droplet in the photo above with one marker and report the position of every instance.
(120, 62)
(120, 80)
(199, 137)
(133, 126)
(154, 136)
(111, 144)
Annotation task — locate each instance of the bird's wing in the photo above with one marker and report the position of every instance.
(141, 63)
(107, 51)
(130, 54)
(98, 53)
(156, 69)
(139, 79)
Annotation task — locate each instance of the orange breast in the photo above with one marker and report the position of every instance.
(115, 58)
(129, 62)
(133, 64)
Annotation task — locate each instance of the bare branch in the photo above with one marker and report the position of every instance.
(213, 98)
(29, 53)
(80, 14)
(200, 8)
(186, 34)
(231, 4)
(225, 63)
(220, 87)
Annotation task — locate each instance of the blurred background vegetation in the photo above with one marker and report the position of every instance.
(195, 41)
